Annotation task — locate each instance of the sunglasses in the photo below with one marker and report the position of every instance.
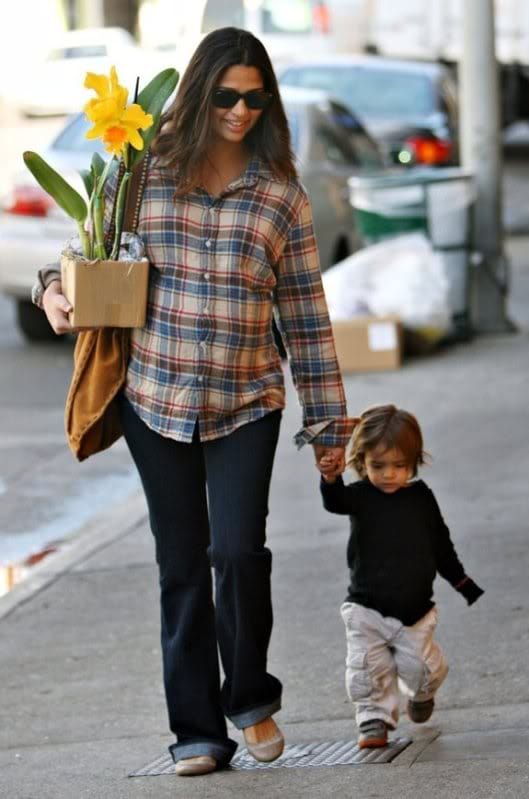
(256, 99)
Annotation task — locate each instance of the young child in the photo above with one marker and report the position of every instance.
(398, 543)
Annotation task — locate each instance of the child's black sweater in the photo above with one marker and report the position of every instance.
(398, 543)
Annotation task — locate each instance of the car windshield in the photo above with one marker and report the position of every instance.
(341, 136)
(73, 137)
(365, 151)
(369, 92)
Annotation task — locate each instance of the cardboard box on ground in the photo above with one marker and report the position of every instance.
(105, 293)
(368, 343)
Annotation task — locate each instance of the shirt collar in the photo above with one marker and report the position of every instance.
(254, 169)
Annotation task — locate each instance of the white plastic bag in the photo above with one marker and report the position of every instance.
(401, 276)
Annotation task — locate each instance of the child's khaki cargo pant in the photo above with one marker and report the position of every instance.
(383, 653)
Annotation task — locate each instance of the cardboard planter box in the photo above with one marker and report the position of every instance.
(105, 293)
(368, 343)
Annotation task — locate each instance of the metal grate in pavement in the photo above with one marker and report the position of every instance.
(326, 753)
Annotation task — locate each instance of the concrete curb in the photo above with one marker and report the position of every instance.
(96, 534)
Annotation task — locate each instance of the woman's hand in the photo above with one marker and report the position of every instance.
(57, 308)
(330, 461)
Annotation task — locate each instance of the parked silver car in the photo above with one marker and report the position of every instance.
(409, 107)
(330, 146)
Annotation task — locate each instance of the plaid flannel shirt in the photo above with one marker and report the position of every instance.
(220, 266)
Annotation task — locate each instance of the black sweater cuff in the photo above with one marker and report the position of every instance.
(469, 590)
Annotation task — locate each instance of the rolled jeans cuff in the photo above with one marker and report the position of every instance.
(249, 717)
(222, 752)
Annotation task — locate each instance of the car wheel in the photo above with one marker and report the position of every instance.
(33, 322)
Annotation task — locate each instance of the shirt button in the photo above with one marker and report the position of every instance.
(206, 276)
(200, 378)
(208, 243)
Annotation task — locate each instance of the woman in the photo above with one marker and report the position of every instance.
(228, 230)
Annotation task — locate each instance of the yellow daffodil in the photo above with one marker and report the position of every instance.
(125, 130)
(114, 123)
(111, 98)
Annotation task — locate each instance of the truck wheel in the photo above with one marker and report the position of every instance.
(33, 322)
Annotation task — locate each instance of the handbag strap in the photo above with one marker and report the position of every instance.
(134, 196)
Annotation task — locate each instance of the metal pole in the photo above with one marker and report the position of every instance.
(92, 13)
(480, 143)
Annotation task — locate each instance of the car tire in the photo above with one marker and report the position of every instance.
(33, 322)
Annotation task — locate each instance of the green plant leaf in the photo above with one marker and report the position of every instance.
(88, 180)
(97, 165)
(152, 99)
(155, 94)
(108, 168)
(64, 195)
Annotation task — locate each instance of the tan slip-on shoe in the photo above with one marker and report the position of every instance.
(264, 740)
(195, 766)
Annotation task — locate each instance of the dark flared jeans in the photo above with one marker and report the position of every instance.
(208, 503)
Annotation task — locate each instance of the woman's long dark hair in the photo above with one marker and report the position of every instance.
(185, 128)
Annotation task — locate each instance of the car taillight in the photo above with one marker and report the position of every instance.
(429, 151)
(28, 201)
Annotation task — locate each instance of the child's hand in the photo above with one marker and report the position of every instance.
(330, 466)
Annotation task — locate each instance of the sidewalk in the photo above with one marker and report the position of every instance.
(82, 702)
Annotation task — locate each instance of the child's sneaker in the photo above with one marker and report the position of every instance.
(373, 733)
(419, 712)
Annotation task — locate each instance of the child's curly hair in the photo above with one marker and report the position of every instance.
(390, 426)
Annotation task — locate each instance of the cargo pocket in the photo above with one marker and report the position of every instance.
(357, 682)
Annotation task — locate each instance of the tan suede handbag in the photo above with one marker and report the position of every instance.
(100, 359)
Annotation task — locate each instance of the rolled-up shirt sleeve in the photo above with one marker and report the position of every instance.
(303, 320)
(45, 275)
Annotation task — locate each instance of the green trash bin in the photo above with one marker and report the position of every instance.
(387, 206)
(435, 201)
